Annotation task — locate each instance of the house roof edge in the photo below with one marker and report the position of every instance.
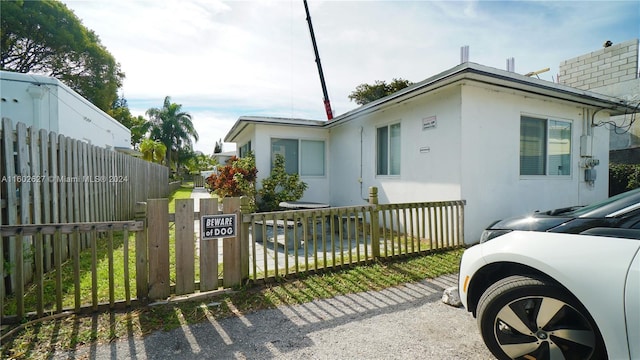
(465, 71)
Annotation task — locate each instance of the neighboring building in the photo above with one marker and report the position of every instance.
(612, 70)
(222, 157)
(504, 142)
(49, 104)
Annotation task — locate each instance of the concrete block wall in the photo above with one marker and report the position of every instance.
(614, 64)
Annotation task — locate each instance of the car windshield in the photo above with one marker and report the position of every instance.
(609, 206)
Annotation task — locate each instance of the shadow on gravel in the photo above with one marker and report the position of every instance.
(273, 333)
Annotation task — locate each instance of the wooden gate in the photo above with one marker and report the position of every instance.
(198, 263)
(170, 259)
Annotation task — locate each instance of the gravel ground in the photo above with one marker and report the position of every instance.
(406, 322)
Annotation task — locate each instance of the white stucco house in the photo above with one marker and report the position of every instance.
(49, 104)
(504, 142)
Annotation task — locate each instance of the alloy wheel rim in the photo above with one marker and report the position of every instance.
(543, 327)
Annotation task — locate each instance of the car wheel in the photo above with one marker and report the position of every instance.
(526, 318)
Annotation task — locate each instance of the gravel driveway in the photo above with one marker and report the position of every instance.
(406, 322)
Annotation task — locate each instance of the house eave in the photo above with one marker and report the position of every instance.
(464, 72)
(244, 121)
(495, 77)
(509, 80)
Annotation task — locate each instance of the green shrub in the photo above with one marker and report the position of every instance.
(236, 178)
(280, 186)
(623, 177)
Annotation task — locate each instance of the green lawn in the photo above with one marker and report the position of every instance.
(183, 192)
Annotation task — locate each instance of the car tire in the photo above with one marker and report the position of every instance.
(523, 317)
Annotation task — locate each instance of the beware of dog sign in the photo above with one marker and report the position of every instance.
(218, 226)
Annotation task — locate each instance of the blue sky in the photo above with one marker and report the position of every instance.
(225, 59)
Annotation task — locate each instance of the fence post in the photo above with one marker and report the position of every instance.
(8, 164)
(244, 237)
(142, 259)
(185, 247)
(208, 249)
(231, 248)
(375, 226)
(158, 245)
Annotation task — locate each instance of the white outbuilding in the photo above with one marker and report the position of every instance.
(47, 103)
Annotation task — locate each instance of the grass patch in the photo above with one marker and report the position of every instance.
(40, 340)
(183, 192)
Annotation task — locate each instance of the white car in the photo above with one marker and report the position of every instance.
(539, 295)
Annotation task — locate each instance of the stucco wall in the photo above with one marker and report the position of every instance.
(491, 180)
(318, 190)
(349, 160)
(430, 170)
(471, 153)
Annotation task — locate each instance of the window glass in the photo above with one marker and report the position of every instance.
(394, 150)
(559, 147)
(532, 146)
(308, 161)
(545, 147)
(311, 158)
(289, 149)
(388, 146)
(382, 151)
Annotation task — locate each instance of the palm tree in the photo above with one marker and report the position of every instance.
(172, 127)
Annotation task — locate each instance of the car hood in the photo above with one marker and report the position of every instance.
(533, 222)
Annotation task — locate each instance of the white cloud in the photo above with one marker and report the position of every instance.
(222, 60)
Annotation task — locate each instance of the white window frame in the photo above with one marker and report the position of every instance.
(565, 144)
(300, 155)
(392, 161)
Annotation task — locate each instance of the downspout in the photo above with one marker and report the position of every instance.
(361, 164)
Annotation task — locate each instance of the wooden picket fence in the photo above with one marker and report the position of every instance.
(283, 243)
(198, 181)
(63, 236)
(155, 275)
(49, 178)
(265, 246)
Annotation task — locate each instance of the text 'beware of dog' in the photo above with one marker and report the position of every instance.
(218, 226)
